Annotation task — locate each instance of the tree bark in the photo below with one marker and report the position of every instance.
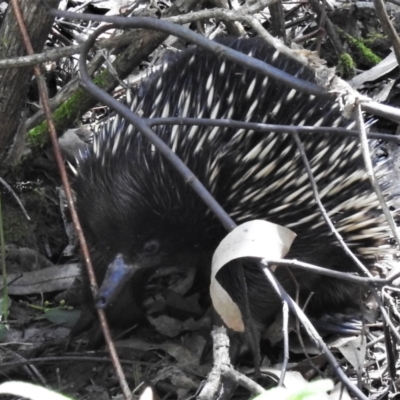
(14, 81)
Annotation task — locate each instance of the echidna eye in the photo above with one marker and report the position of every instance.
(151, 247)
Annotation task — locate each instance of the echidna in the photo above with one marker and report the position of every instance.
(136, 209)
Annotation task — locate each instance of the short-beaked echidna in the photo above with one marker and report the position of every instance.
(135, 207)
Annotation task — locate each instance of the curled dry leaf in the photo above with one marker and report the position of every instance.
(255, 239)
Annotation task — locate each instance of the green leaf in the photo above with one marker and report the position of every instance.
(2, 301)
(59, 316)
(3, 332)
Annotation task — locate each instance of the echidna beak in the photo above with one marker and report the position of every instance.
(118, 274)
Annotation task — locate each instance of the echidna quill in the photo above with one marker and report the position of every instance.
(138, 212)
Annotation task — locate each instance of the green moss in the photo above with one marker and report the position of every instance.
(361, 50)
(346, 66)
(367, 56)
(102, 78)
(68, 112)
(38, 136)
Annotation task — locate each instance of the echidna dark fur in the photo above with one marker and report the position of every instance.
(133, 203)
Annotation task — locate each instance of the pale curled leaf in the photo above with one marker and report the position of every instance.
(30, 391)
(256, 239)
(147, 394)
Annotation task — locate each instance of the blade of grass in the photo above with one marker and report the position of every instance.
(3, 266)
